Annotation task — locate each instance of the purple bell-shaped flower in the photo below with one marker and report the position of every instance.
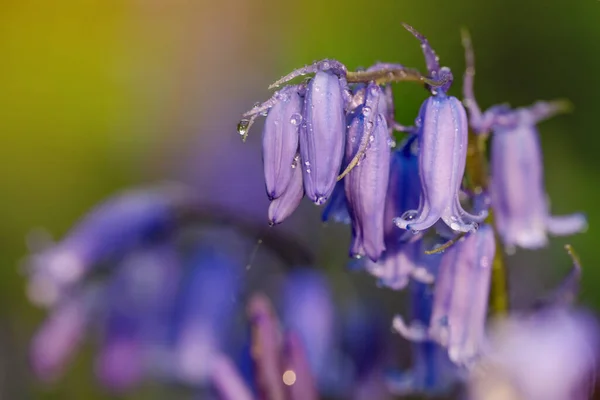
(442, 128)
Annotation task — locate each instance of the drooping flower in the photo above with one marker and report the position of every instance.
(322, 134)
(280, 141)
(460, 298)
(519, 200)
(366, 185)
(443, 130)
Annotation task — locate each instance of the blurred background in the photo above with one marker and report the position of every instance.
(97, 96)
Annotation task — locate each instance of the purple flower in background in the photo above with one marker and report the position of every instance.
(443, 130)
(309, 311)
(282, 370)
(59, 337)
(202, 318)
(519, 200)
(460, 298)
(550, 355)
(135, 325)
(110, 230)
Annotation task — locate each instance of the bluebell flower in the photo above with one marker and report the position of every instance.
(322, 135)
(460, 298)
(280, 141)
(366, 184)
(519, 200)
(442, 129)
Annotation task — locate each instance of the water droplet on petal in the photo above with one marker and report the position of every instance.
(296, 119)
(410, 215)
(366, 110)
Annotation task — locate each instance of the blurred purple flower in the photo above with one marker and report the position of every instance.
(460, 298)
(59, 337)
(550, 355)
(113, 228)
(519, 200)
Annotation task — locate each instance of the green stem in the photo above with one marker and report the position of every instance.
(477, 176)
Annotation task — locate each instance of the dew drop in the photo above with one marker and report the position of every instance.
(371, 138)
(296, 161)
(410, 215)
(296, 119)
(375, 90)
(308, 170)
(391, 142)
(454, 226)
(243, 127)
(307, 163)
(366, 110)
(283, 96)
(325, 65)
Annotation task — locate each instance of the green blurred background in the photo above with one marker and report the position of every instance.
(98, 95)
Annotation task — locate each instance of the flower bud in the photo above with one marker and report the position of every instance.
(366, 184)
(283, 206)
(280, 141)
(322, 136)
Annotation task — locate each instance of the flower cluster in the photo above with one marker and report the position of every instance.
(339, 125)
